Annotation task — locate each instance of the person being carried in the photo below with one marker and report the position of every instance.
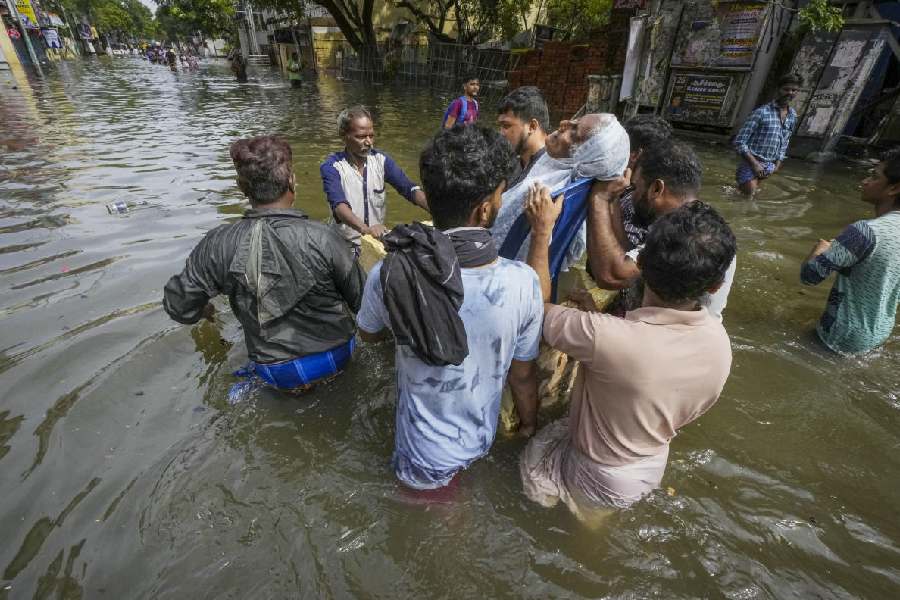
(354, 179)
(594, 146)
(524, 120)
(464, 110)
(290, 281)
(862, 306)
(644, 131)
(465, 322)
(762, 141)
(642, 377)
(666, 177)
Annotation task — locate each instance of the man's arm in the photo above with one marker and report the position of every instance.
(853, 245)
(346, 272)
(742, 141)
(522, 380)
(186, 295)
(395, 176)
(611, 267)
(542, 212)
(372, 318)
(452, 114)
(344, 214)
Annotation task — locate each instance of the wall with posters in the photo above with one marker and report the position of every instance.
(839, 86)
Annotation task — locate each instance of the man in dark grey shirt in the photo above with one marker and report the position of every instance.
(290, 281)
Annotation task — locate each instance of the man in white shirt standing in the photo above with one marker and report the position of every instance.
(354, 179)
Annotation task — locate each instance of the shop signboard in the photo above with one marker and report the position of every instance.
(698, 93)
(726, 35)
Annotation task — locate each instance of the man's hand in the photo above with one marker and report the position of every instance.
(758, 169)
(612, 189)
(583, 300)
(209, 312)
(526, 431)
(376, 231)
(542, 210)
(821, 247)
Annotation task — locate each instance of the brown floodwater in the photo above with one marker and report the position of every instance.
(126, 474)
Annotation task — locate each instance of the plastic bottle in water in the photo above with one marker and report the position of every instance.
(123, 207)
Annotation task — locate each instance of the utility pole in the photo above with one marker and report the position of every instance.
(31, 53)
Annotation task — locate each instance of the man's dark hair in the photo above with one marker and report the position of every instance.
(675, 163)
(687, 252)
(645, 131)
(527, 103)
(460, 168)
(264, 165)
(891, 162)
(348, 115)
(790, 78)
(469, 76)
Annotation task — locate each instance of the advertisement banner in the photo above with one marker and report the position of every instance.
(26, 13)
(740, 24)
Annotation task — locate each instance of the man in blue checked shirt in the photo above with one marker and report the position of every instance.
(763, 140)
(354, 179)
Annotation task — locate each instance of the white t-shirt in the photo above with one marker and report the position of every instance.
(447, 416)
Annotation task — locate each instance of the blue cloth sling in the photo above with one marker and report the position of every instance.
(292, 374)
(574, 214)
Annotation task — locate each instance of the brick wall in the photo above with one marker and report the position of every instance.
(560, 69)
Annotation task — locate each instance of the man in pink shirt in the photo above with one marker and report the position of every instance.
(642, 377)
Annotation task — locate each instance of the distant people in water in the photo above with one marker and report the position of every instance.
(465, 322)
(642, 377)
(763, 140)
(354, 179)
(290, 281)
(239, 66)
(295, 70)
(862, 307)
(464, 110)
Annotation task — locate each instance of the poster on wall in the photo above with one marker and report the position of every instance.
(26, 13)
(740, 24)
(52, 38)
(694, 94)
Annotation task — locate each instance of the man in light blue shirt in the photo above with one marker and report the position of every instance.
(466, 322)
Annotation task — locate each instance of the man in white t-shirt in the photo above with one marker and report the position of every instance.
(465, 321)
(666, 177)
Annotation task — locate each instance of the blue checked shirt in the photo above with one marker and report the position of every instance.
(763, 134)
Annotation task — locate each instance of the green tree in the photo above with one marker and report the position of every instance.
(125, 17)
(577, 19)
(184, 18)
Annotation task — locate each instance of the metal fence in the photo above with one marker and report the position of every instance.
(437, 65)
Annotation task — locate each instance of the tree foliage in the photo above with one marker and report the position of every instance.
(184, 18)
(819, 14)
(127, 17)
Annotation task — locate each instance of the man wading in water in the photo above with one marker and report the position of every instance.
(862, 306)
(354, 179)
(465, 321)
(763, 140)
(642, 377)
(290, 281)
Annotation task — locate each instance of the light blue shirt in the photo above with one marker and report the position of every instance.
(447, 416)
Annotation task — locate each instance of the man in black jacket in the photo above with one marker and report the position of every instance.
(290, 281)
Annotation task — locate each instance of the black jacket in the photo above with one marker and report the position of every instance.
(290, 282)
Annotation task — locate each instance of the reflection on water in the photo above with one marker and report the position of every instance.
(125, 473)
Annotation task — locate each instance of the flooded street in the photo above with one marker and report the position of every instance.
(126, 474)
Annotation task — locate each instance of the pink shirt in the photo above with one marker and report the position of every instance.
(641, 378)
